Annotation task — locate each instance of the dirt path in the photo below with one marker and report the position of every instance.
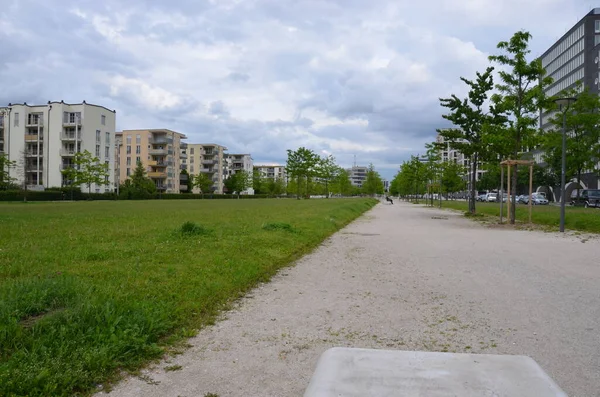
(403, 277)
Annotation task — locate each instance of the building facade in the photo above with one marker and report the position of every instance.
(357, 175)
(43, 140)
(450, 154)
(574, 58)
(207, 158)
(272, 171)
(160, 152)
(240, 163)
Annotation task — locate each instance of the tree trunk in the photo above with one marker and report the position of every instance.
(513, 194)
(473, 184)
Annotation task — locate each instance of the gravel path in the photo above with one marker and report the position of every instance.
(403, 277)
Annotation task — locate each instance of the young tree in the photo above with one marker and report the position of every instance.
(189, 182)
(519, 98)
(86, 170)
(326, 170)
(373, 183)
(452, 177)
(257, 182)
(301, 164)
(583, 137)
(471, 120)
(238, 182)
(6, 181)
(138, 185)
(203, 182)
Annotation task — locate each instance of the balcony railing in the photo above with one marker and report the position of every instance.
(67, 152)
(183, 177)
(157, 174)
(70, 137)
(183, 187)
(209, 161)
(158, 152)
(183, 166)
(183, 155)
(34, 121)
(33, 153)
(160, 141)
(33, 137)
(33, 168)
(207, 170)
(183, 145)
(71, 122)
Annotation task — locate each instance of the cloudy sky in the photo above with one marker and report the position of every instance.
(347, 77)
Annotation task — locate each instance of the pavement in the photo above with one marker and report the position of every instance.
(402, 277)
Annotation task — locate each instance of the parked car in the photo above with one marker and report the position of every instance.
(538, 199)
(481, 197)
(587, 198)
(491, 197)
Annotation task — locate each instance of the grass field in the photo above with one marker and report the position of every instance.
(91, 288)
(576, 218)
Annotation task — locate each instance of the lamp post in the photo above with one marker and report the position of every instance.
(564, 104)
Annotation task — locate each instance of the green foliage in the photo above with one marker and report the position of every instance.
(326, 169)
(101, 287)
(519, 97)
(87, 170)
(238, 182)
(193, 229)
(373, 184)
(138, 186)
(302, 165)
(257, 182)
(6, 181)
(273, 187)
(452, 177)
(203, 182)
(341, 183)
(471, 122)
(189, 183)
(582, 122)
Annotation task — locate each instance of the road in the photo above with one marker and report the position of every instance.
(402, 277)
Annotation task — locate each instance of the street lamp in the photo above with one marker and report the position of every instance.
(563, 104)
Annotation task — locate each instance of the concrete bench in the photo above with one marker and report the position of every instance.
(348, 372)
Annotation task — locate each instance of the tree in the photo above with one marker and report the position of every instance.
(326, 170)
(138, 185)
(471, 121)
(203, 182)
(583, 137)
(257, 182)
(6, 181)
(520, 97)
(273, 186)
(86, 170)
(373, 183)
(301, 164)
(341, 182)
(452, 177)
(238, 182)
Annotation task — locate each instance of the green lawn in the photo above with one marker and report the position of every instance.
(89, 288)
(576, 218)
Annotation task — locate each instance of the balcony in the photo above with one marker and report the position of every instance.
(157, 174)
(67, 152)
(33, 168)
(33, 137)
(183, 187)
(183, 145)
(183, 155)
(161, 187)
(72, 122)
(70, 137)
(33, 153)
(209, 161)
(66, 166)
(207, 170)
(160, 141)
(183, 177)
(157, 152)
(33, 121)
(183, 166)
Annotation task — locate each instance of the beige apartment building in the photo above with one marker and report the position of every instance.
(207, 158)
(237, 162)
(43, 141)
(161, 151)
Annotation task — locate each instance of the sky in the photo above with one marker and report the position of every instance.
(357, 79)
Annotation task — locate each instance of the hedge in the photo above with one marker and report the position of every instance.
(55, 194)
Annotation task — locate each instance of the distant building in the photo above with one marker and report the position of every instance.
(43, 140)
(159, 151)
(449, 154)
(271, 171)
(357, 175)
(240, 163)
(209, 159)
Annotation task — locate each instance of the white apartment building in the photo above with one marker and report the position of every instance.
(272, 171)
(240, 163)
(207, 158)
(449, 154)
(43, 140)
(357, 175)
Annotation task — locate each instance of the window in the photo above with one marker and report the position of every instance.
(71, 117)
(16, 119)
(597, 26)
(138, 159)
(103, 120)
(191, 160)
(128, 149)
(191, 169)
(596, 39)
(128, 161)
(107, 139)
(191, 150)
(138, 149)
(128, 171)
(138, 139)
(129, 139)
(106, 152)
(97, 150)
(98, 136)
